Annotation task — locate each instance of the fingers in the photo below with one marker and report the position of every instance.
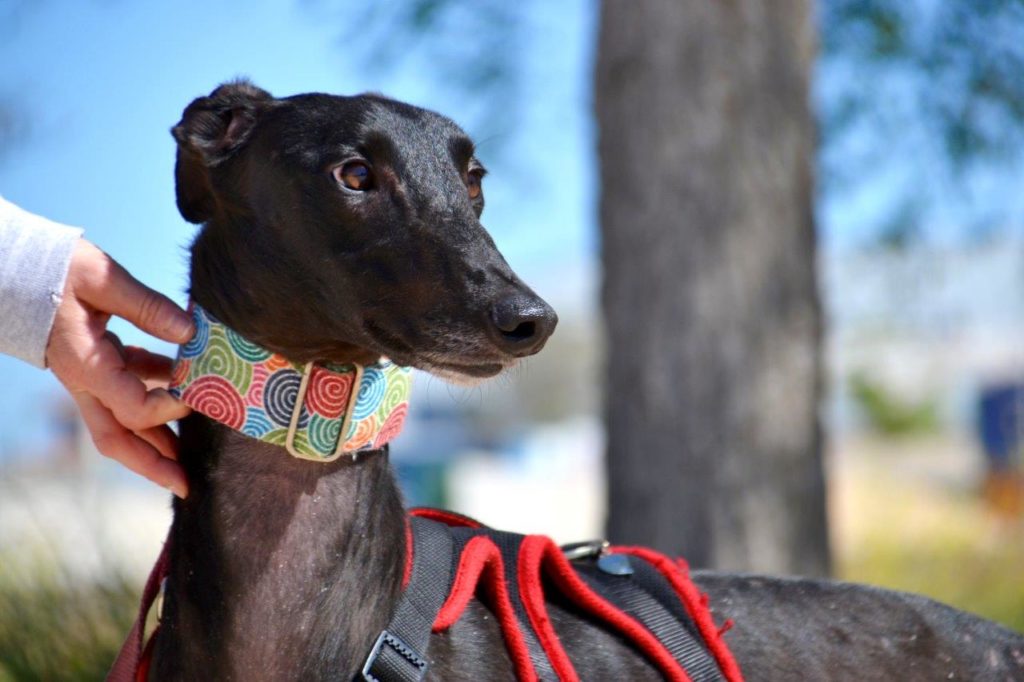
(108, 377)
(109, 288)
(147, 365)
(163, 439)
(154, 369)
(128, 422)
(131, 450)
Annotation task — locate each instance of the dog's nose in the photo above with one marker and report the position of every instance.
(521, 324)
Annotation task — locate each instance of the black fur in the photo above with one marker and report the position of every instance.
(284, 569)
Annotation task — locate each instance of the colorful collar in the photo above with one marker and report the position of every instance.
(311, 410)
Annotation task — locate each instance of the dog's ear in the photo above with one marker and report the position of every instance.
(210, 131)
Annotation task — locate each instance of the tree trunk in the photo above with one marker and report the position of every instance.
(706, 143)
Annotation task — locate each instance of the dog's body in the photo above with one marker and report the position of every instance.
(343, 229)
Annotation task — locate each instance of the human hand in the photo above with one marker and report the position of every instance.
(127, 419)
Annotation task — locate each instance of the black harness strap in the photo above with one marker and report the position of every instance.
(630, 583)
(637, 594)
(400, 653)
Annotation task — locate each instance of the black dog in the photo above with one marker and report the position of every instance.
(346, 228)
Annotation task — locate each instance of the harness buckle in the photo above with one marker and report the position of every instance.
(585, 549)
(300, 398)
(399, 661)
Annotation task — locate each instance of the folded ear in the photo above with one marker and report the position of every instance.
(210, 131)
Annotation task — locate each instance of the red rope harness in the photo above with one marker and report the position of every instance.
(482, 571)
(132, 663)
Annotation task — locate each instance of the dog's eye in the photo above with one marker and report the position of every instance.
(474, 178)
(354, 175)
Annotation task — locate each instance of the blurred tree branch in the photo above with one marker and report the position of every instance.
(919, 101)
(471, 49)
(932, 85)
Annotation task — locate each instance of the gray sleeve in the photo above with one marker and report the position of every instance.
(34, 258)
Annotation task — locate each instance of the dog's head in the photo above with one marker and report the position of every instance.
(347, 228)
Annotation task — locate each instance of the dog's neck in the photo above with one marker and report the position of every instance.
(274, 557)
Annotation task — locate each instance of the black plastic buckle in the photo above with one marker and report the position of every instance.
(406, 652)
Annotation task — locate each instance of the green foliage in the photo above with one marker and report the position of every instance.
(55, 628)
(889, 415)
(918, 528)
(919, 100)
(472, 49)
(957, 64)
(929, 89)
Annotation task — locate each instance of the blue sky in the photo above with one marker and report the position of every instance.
(97, 86)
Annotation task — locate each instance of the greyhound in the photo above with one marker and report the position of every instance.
(346, 229)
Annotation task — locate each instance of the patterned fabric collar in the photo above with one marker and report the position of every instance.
(316, 412)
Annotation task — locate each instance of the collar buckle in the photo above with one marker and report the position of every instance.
(346, 423)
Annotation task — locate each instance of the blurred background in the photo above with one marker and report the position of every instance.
(786, 244)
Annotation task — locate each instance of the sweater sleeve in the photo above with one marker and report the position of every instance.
(34, 257)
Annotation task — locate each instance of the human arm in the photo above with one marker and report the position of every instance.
(56, 314)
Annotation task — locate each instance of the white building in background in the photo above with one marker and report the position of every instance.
(927, 323)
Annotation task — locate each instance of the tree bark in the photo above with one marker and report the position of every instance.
(710, 298)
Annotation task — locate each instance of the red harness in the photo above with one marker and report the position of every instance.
(643, 596)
